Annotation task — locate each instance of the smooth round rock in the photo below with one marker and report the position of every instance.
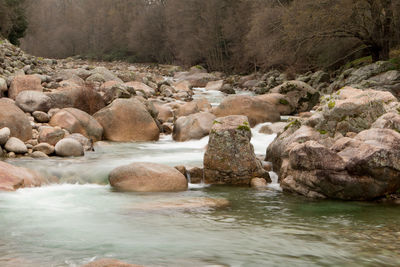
(41, 116)
(69, 148)
(148, 177)
(15, 145)
(44, 148)
(38, 154)
(258, 183)
(4, 135)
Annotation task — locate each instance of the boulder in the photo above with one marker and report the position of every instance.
(41, 116)
(347, 150)
(69, 147)
(3, 87)
(77, 121)
(84, 98)
(4, 135)
(30, 101)
(147, 177)
(15, 145)
(194, 126)
(257, 111)
(192, 107)
(13, 178)
(50, 135)
(373, 75)
(280, 103)
(258, 183)
(215, 85)
(197, 79)
(104, 73)
(141, 87)
(44, 148)
(85, 142)
(351, 110)
(165, 113)
(299, 95)
(109, 263)
(38, 155)
(363, 168)
(127, 120)
(118, 91)
(183, 204)
(230, 158)
(24, 83)
(274, 128)
(15, 119)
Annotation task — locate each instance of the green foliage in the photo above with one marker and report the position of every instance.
(331, 104)
(244, 127)
(322, 131)
(357, 63)
(13, 22)
(216, 122)
(295, 123)
(283, 101)
(396, 62)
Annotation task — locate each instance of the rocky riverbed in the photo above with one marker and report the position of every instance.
(147, 143)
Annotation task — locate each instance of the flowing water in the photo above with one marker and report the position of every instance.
(82, 219)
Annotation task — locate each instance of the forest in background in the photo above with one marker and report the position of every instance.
(226, 35)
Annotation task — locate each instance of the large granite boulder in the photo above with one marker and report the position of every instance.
(230, 158)
(24, 83)
(15, 119)
(257, 110)
(127, 120)
(30, 101)
(348, 150)
(13, 178)
(194, 126)
(78, 121)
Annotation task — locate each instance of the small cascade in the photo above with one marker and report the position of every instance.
(188, 177)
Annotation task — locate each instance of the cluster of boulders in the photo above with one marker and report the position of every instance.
(348, 149)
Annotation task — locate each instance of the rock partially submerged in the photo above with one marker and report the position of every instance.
(13, 178)
(183, 204)
(348, 150)
(147, 177)
(230, 157)
(109, 263)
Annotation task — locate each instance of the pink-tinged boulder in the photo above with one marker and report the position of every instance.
(50, 135)
(215, 85)
(148, 177)
(12, 177)
(15, 119)
(81, 97)
(192, 107)
(78, 121)
(127, 120)
(141, 87)
(194, 126)
(24, 83)
(109, 263)
(257, 110)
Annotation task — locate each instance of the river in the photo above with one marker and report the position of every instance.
(83, 218)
